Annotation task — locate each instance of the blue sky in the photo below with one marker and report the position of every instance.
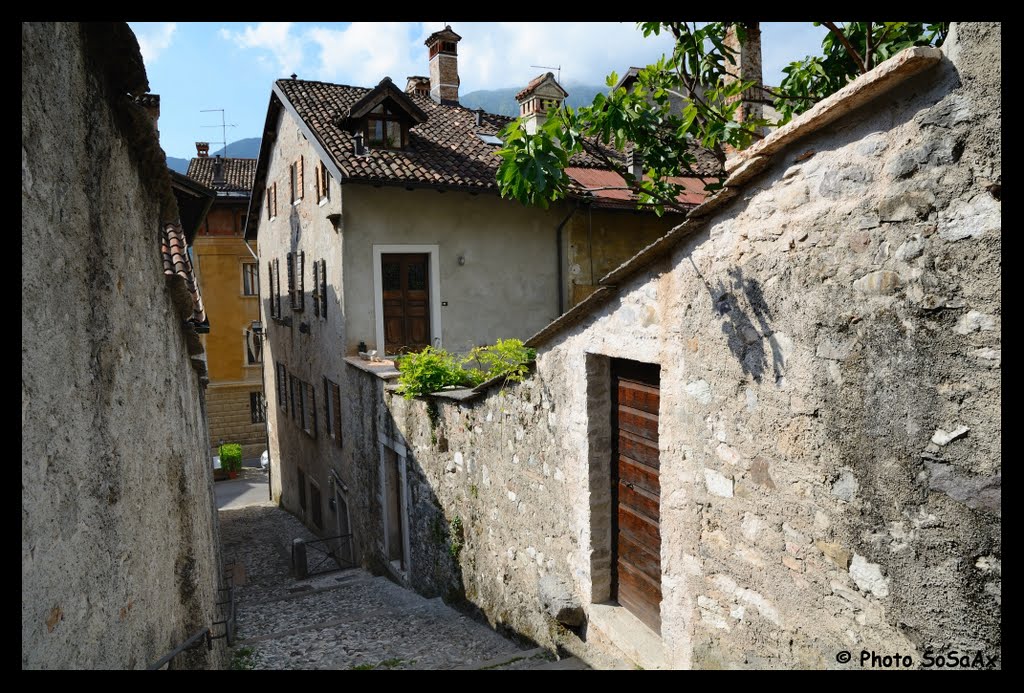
(206, 65)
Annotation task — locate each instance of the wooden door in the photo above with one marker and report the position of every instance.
(636, 490)
(406, 297)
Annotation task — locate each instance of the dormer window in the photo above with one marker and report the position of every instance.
(385, 129)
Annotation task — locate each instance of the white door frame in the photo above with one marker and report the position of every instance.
(433, 251)
(399, 450)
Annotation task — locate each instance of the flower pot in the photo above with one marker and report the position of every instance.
(232, 474)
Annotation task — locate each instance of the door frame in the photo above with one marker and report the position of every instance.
(433, 251)
(403, 498)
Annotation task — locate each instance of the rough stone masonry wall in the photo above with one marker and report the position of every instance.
(830, 410)
(118, 529)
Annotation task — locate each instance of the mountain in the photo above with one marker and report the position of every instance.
(503, 101)
(248, 148)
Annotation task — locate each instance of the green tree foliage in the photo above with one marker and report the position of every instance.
(700, 72)
(230, 456)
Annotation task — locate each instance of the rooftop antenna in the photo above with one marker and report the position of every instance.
(223, 127)
(557, 68)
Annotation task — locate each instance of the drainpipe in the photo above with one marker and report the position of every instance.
(558, 247)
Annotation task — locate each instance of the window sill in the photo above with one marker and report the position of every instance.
(323, 201)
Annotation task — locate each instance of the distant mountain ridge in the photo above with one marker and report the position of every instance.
(503, 101)
(248, 148)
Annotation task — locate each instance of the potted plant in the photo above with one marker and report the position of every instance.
(231, 458)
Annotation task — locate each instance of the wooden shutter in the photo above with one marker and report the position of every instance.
(316, 289)
(301, 177)
(291, 280)
(312, 413)
(275, 198)
(270, 284)
(336, 413)
(300, 284)
(277, 288)
(269, 208)
(323, 288)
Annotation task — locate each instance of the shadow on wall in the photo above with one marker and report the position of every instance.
(744, 337)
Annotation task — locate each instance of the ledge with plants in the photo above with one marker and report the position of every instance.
(434, 370)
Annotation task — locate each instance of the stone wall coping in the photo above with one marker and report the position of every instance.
(385, 370)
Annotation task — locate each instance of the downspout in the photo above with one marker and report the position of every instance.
(558, 248)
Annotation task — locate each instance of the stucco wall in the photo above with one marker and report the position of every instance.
(824, 340)
(119, 536)
(508, 286)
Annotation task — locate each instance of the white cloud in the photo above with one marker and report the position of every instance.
(275, 37)
(362, 53)
(154, 38)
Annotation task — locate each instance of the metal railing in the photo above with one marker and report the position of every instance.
(334, 558)
(205, 634)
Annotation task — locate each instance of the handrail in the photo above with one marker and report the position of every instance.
(187, 645)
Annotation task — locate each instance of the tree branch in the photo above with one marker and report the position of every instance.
(846, 44)
(868, 49)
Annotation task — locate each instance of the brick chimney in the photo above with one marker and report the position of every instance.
(417, 84)
(444, 66)
(202, 149)
(542, 95)
(747, 68)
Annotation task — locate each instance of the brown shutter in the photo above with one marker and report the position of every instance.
(302, 176)
(269, 215)
(312, 414)
(291, 281)
(277, 288)
(316, 289)
(323, 288)
(336, 400)
(270, 284)
(300, 285)
(275, 198)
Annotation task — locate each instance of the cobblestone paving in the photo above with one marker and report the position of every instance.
(343, 620)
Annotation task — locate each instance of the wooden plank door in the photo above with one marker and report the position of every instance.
(636, 490)
(406, 298)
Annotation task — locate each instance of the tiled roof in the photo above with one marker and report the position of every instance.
(238, 173)
(603, 185)
(174, 249)
(443, 151)
(536, 82)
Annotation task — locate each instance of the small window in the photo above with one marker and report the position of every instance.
(314, 499)
(257, 408)
(332, 410)
(281, 383)
(272, 200)
(296, 178)
(302, 488)
(323, 182)
(276, 307)
(290, 261)
(489, 139)
(384, 130)
(293, 392)
(316, 288)
(253, 348)
(309, 409)
(250, 279)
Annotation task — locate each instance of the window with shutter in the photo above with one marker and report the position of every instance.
(316, 289)
(273, 196)
(270, 283)
(277, 289)
(310, 420)
(282, 386)
(291, 280)
(323, 288)
(301, 177)
(336, 411)
(300, 283)
(270, 208)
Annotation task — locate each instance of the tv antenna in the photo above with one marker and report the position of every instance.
(223, 127)
(557, 68)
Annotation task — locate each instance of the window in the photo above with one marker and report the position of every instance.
(302, 488)
(314, 499)
(250, 279)
(253, 348)
(320, 288)
(323, 182)
(293, 383)
(296, 282)
(275, 308)
(384, 129)
(323, 289)
(272, 200)
(308, 408)
(332, 410)
(316, 288)
(296, 176)
(257, 407)
(281, 384)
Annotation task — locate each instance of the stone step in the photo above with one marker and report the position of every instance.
(507, 658)
(567, 663)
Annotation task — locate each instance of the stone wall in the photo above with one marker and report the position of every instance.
(119, 537)
(829, 422)
(230, 419)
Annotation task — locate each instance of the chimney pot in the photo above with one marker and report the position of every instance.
(202, 149)
(294, 76)
(442, 47)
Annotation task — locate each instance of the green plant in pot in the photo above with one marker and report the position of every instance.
(230, 458)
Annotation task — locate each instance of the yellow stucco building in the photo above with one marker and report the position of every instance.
(228, 273)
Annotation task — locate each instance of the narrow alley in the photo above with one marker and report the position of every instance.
(346, 619)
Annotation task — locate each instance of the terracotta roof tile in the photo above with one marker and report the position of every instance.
(238, 173)
(174, 249)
